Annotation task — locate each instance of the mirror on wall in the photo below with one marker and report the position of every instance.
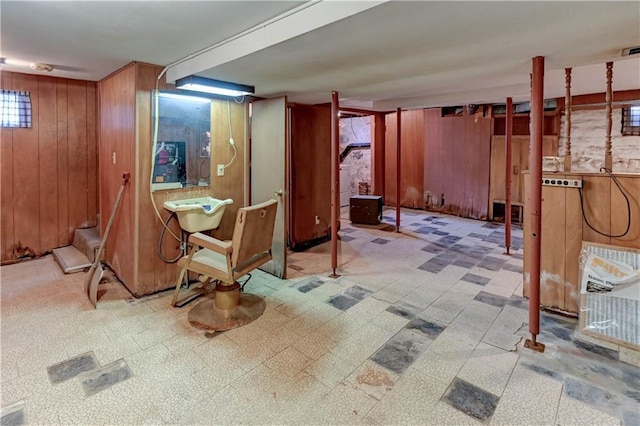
(182, 156)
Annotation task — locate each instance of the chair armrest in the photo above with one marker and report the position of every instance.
(202, 240)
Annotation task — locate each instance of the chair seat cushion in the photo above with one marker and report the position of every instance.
(210, 259)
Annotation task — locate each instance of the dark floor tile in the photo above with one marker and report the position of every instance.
(431, 267)
(490, 265)
(447, 256)
(388, 218)
(72, 367)
(597, 349)
(430, 218)
(512, 268)
(492, 225)
(459, 248)
(342, 302)
(544, 371)
(475, 279)
(559, 332)
(518, 256)
(426, 230)
(346, 238)
(13, 415)
(309, 284)
(471, 400)
(433, 248)
(629, 418)
(465, 263)
(401, 350)
(491, 299)
(449, 240)
(348, 230)
(401, 311)
(428, 328)
(591, 395)
(380, 241)
(357, 292)
(440, 233)
(116, 372)
(416, 224)
(518, 302)
(440, 222)
(475, 235)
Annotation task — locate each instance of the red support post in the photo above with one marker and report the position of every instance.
(508, 173)
(398, 163)
(535, 200)
(335, 180)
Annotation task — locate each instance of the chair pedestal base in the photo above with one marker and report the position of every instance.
(207, 316)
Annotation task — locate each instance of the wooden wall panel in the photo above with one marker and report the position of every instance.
(457, 163)
(26, 197)
(310, 159)
(573, 242)
(48, 167)
(411, 164)
(552, 269)
(596, 193)
(378, 154)
(43, 165)
(619, 212)
(6, 182)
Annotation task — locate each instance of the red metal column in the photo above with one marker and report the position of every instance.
(508, 172)
(398, 162)
(535, 204)
(335, 180)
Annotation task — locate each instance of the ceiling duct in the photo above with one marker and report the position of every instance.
(631, 51)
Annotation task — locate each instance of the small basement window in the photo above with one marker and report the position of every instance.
(15, 109)
(631, 121)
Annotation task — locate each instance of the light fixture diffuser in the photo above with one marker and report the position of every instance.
(217, 87)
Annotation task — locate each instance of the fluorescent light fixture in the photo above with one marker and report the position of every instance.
(217, 87)
(181, 97)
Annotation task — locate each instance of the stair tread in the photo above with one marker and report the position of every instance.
(71, 259)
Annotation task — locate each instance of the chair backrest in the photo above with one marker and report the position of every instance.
(253, 231)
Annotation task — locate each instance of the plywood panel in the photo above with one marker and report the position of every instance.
(91, 136)
(27, 195)
(412, 151)
(596, 193)
(65, 231)
(620, 212)
(77, 150)
(48, 167)
(7, 182)
(573, 243)
(310, 159)
(552, 262)
(378, 154)
(390, 157)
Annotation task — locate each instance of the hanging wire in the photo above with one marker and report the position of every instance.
(584, 216)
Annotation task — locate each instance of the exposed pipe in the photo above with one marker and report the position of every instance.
(335, 180)
(608, 158)
(535, 204)
(508, 172)
(567, 119)
(398, 162)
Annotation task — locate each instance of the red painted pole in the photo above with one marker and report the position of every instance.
(535, 205)
(507, 180)
(335, 180)
(398, 163)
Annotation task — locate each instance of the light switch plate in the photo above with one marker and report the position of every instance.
(220, 169)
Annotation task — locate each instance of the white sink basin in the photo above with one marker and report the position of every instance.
(198, 214)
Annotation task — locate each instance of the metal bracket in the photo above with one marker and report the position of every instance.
(533, 345)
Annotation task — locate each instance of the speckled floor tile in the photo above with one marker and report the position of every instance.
(489, 368)
(574, 412)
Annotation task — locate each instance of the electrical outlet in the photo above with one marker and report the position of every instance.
(317, 220)
(567, 183)
(220, 169)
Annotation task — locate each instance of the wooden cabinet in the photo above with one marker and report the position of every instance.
(564, 229)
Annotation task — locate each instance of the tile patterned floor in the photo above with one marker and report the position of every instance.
(422, 327)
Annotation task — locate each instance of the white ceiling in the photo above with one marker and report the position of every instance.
(377, 55)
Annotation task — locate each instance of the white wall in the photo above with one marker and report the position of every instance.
(352, 130)
(588, 136)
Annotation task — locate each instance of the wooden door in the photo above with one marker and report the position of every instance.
(269, 171)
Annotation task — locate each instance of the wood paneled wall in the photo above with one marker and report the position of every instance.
(411, 163)
(564, 229)
(49, 171)
(310, 168)
(378, 148)
(457, 159)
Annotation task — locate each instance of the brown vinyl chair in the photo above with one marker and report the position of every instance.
(226, 261)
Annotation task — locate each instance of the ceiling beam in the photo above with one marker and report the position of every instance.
(303, 19)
